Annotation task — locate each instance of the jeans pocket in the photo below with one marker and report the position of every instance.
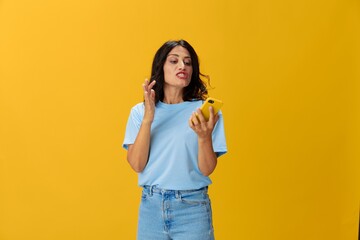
(195, 198)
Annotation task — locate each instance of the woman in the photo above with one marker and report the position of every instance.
(173, 148)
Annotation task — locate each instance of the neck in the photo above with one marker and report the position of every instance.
(173, 97)
(172, 100)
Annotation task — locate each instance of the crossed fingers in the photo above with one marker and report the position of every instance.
(148, 86)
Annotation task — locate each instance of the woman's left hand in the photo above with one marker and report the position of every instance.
(202, 127)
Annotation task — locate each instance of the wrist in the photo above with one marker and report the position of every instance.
(146, 121)
(205, 139)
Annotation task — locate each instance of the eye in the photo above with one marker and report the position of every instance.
(173, 61)
(187, 63)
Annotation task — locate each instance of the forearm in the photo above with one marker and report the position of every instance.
(207, 158)
(138, 153)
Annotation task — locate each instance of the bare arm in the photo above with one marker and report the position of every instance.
(138, 153)
(207, 158)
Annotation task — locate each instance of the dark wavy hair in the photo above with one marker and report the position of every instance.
(196, 90)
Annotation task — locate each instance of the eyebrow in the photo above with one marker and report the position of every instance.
(176, 55)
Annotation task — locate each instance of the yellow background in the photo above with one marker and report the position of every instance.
(287, 71)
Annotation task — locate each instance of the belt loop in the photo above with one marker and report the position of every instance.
(178, 194)
(151, 190)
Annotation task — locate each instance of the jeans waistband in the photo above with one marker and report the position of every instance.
(155, 189)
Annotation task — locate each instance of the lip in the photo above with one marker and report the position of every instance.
(182, 75)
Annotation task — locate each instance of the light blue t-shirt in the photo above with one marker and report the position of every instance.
(173, 158)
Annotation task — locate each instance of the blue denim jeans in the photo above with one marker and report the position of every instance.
(175, 215)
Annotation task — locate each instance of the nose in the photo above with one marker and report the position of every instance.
(181, 65)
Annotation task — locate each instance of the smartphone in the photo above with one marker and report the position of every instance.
(215, 103)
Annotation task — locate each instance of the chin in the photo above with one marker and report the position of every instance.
(185, 85)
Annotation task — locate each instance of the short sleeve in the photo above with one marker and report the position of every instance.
(218, 137)
(133, 124)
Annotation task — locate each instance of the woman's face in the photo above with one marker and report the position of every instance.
(178, 68)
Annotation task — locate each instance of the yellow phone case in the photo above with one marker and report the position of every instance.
(215, 103)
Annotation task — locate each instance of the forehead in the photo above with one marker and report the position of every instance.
(179, 51)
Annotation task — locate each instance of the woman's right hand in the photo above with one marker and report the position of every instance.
(138, 153)
(149, 97)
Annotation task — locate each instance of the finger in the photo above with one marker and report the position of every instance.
(200, 115)
(216, 118)
(144, 88)
(213, 120)
(211, 111)
(146, 92)
(151, 85)
(152, 94)
(146, 82)
(146, 97)
(144, 85)
(191, 123)
(195, 119)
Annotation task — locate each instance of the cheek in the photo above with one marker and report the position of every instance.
(166, 71)
(190, 74)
